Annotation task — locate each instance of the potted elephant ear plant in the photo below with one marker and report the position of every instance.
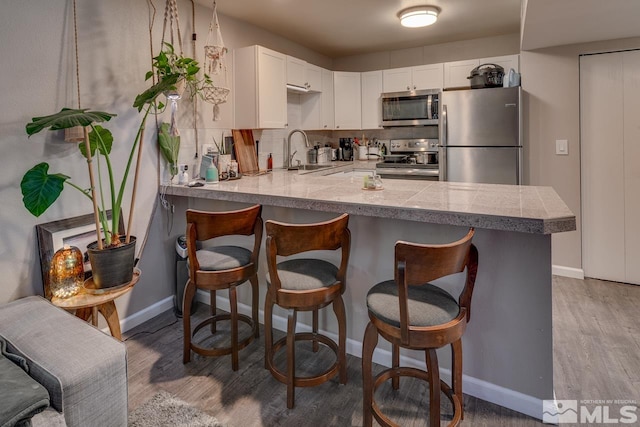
(112, 255)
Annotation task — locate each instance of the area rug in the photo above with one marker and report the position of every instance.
(164, 409)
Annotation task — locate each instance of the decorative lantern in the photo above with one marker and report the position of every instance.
(66, 274)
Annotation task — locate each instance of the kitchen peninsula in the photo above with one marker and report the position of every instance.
(508, 347)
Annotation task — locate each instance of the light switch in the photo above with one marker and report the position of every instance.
(562, 147)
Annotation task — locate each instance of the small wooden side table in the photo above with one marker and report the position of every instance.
(88, 305)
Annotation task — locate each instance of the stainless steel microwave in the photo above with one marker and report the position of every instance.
(410, 108)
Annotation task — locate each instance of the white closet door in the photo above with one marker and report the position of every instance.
(631, 154)
(603, 207)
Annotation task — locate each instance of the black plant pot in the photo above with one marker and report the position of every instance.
(112, 267)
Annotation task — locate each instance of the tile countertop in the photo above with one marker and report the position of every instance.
(525, 209)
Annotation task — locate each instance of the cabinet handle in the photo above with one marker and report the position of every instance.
(338, 127)
(408, 87)
(414, 86)
(325, 126)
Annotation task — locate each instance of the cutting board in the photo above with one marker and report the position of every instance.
(244, 147)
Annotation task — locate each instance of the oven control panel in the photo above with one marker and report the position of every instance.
(413, 145)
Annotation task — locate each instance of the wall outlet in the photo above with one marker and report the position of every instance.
(181, 166)
(562, 147)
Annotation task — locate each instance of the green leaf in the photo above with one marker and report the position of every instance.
(39, 189)
(169, 145)
(149, 95)
(94, 141)
(148, 75)
(67, 118)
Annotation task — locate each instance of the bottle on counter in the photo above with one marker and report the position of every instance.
(212, 174)
(184, 176)
(270, 163)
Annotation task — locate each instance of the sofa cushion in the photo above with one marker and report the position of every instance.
(83, 369)
(21, 397)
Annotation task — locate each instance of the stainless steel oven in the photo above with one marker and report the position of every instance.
(410, 159)
(411, 108)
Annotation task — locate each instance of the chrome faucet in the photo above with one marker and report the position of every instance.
(290, 156)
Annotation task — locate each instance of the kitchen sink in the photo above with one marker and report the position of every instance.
(312, 167)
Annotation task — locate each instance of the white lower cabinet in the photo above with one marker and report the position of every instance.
(348, 107)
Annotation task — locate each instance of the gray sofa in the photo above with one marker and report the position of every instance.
(83, 370)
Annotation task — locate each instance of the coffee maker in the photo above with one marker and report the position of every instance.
(346, 149)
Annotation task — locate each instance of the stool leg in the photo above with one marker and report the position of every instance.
(456, 371)
(395, 363)
(213, 310)
(315, 346)
(291, 357)
(369, 344)
(434, 387)
(338, 309)
(268, 333)
(233, 302)
(189, 292)
(254, 305)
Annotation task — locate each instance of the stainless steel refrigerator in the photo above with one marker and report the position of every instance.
(481, 136)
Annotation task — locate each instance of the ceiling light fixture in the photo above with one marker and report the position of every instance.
(419, 16)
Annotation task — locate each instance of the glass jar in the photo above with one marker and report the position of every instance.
(66, 273)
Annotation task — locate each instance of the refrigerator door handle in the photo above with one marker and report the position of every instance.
(442, 160)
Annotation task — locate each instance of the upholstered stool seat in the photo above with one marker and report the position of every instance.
(303, 284)
(223, 258)
(428, 305)
(306, 274)
(410, 312)
(214, 268)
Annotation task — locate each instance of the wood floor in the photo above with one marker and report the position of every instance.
(596, 356)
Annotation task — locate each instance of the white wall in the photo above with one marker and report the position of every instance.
(39, 78)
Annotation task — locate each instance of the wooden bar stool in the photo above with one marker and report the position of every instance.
(412, 313)
(303, 284)
(221, 267)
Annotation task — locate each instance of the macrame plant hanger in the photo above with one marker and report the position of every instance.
(214, 51)
(76, 133)
(171, 17)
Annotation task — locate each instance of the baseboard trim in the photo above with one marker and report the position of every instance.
(143, 315)
(481, 389)
(574, 273)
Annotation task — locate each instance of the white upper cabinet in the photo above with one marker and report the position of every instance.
(371, 108)
(313, 78)
(317, 108)
(260, 88)
(328, 104)
(396, 79)
(429, 76)
(413, 78)
(348, 107)
(296, 71)
(304, 75)
(456, 73)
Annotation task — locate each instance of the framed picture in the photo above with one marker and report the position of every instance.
(78, 231)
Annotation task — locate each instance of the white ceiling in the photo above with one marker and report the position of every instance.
(338, 28)
(347, 27)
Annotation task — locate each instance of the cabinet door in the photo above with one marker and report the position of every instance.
(428, 76)
(507, 62)
(348, 110)
(296, 71)
(396, 79)
(272, 89)
(313, 78)
(327, 101)
(456, 73)
(371, 108)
